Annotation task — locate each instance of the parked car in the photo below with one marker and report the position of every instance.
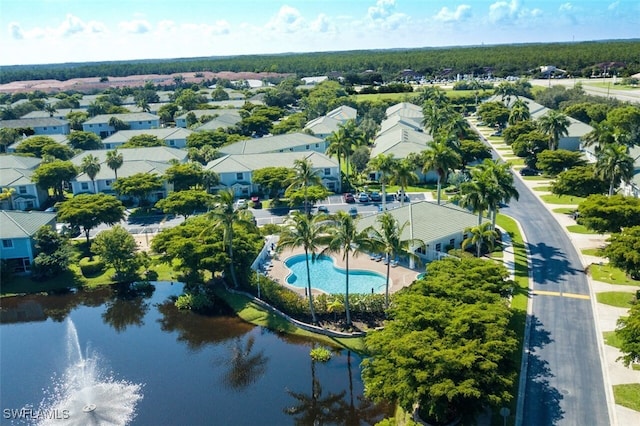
(497, 133)
(363, 197)
(349, 198)
(353, 212)
(528, 171)
(323, 209)
(375, 196)
(241, 203)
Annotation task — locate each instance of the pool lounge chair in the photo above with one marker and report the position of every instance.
(394, 263)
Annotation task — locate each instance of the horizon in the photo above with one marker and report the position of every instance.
(58, 32)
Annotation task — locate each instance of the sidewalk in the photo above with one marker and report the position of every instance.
(606, 316)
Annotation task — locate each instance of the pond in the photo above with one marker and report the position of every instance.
(179, 368)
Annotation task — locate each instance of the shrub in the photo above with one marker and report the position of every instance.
(320, 354)
(91, 268)
(194, 301)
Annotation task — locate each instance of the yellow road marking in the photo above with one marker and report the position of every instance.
(557, 293)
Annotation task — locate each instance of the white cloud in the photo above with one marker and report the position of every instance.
(614, 5)
(382, 9)
(511, 12)
(136, 26)
(383, 16)
(461, 13)
(321, 24)
(287, 20)
(166, 26)
(16, 31)
(566, 7)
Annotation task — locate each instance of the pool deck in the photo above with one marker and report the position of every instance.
(399, 276)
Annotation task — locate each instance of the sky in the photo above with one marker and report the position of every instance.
(57, 31)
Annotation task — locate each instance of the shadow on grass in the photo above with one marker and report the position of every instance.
(24, 284)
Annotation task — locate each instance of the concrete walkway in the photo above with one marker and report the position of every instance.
(606, 316)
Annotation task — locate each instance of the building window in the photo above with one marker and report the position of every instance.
(239, 176)
(107, 182)
(438, 247)
(306, 147)
(22, 190)
(327, 172)
(172, 143)
(55, 127)
(84, 186)
(139, 122)
(7, 244)
(317, 145)
(452, 242)
(90, 125)
(44, 128)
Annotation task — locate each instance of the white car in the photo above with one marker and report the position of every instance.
(241, 203)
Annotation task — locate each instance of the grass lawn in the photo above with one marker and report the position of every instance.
(619, 299)
(542, 188)
(398, 97)
(609, 274)
(251, 312)
(580, 229)
(535, 178)
(612, 339)
(561, 199)
(592, 252)
(516, 161)
(520, 296)
(564, 210)
(627, 395)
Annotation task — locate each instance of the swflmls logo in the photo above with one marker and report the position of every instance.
(31, 414)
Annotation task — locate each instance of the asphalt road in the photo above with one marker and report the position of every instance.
(564, 379)
(608, 92)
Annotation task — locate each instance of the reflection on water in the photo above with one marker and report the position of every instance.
(196, 370)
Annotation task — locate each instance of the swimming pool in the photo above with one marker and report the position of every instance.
(329, 278)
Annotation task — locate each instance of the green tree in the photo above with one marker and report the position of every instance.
(553, 162)
(185, 176)
(185, 202)
(339, 145)
(167, 111)
(388, 239)
(54, 254)
(579, 181)
(139, 185)
(384, 164)
(344, 238)
(189, 100)
(118, 124)
(142, 141)
(554, 124)
(36, 146)
(91, 166)
(304, 232)
(53, 175)
(304, 177)
(609, 214)
(473, 150)
(519, 112)
(114, 161)
(85, 140)
(219, 94)
(623, 251)
(629, 332)
(501, 185)
(76, 118)
(272, 180)
(615, 165)
(493, 113)
(442, 159)
(90, 210)
(483, 234)
(404, 175)
(117, 249)
(7, 137)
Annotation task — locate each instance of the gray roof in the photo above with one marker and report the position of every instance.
(343, 113)
(165, 133)
(400, 142)
(224, 121)
(32, 122)
(247, 163)
(323, 125)
(397, 120)
(127, 169)
(133, 116)
(213, 112)
(271, 144)
(18, 162)
(405, 109)
(45, 114)
(19, 224)
(427, 221)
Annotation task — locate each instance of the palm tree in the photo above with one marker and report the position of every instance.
(404, 175)
(114, 161)
(91, 166)
(554, 125)
(118, 124)
(442, 159)
(503, 188)
(506, 90)
(143, 105)
(435, 116)
(519, 112)
(245, 366)
(304, 232)
(305, 177)
(615, 165)
(384, 164)
(388, 239)
(225, 216)
(356, 138)
(51, 109)
(602, 134)
(473, 194)
(481, 234)
(345, 238)
(339, 146)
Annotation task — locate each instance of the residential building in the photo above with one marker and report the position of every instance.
(236, 170)
(153, 160)
(632, 189)
(17, 230)
(135, 120)
(16, 173)
(224, 118)
(290, 142)
(325, 125)
(175, 137)
(40, 126)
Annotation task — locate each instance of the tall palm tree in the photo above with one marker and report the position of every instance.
(114, 161)
(615, 165)
(435, 116)
(554, 125)
(404, 175)
(503, 188)
(506, 90)
(50, 108)
(118, 124)
(356, 138)
(384, 164)
(344, 238)
(304, 232)
(473, 194)
(340, 146)
(143, 105)
(481, 234)
(225, 216)
(388, 239)
(442, 159)
(602, 134)
(305, 177)
(91, 166)
(519, 112)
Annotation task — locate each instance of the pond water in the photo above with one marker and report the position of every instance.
(188, 369)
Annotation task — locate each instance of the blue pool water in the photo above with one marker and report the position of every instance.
(327, 277)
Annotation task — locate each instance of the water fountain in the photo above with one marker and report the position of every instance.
(85, 396)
